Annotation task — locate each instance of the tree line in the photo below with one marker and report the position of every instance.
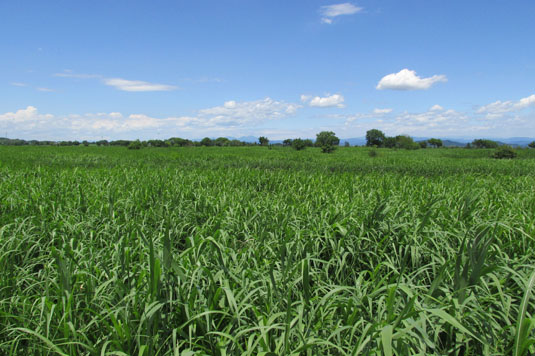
(326, 140)
(377, 138)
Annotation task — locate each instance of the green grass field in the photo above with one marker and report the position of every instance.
(251, 251)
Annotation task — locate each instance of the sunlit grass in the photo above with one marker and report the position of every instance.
(250, 251)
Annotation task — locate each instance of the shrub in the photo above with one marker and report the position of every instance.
(134, 145)
(504, 152)
(328, 148)
(298, 144)
(372, 153)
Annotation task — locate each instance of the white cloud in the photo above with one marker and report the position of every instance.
(438, 121)
(331, 11)
(431, 122)
(119, 83)
(45, 89)
(234, 113)
(23, 116)
(335, 100)
(137, 85)
(70, 74)
(261, 117)
(382, 111)
(19, 84)
(407, 79)
(498, 108)
(229, 119)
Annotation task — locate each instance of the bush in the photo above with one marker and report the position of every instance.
(298, 144)
(134, 145)
(504, 152)
(372, 153)
(328, 148)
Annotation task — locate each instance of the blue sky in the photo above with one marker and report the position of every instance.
(140, 69)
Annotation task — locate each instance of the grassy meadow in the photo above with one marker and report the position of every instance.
(257, 251)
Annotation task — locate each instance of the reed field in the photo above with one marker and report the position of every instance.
(257, 251)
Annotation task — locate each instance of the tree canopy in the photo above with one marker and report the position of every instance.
(375, 137)
(327, 140)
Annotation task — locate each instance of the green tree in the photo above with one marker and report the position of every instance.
(237, 143)
(435, 142)
(308, 142)
(298, 144)
(532, 144)
(207, 141)
(480, 143)
(222, 141)
(327, 140)
(375, 137)
(134, 145)
(287, 142)
(179, 142)
(157, 143)
(389, 142)
(263, 141)
(406, 142)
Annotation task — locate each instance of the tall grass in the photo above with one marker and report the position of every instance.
(249, 251)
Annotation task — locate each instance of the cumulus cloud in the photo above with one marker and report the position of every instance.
(430, 122)
(24, 115)
(136, 85)
(499, 108)
(329, 12)
(407, 79)
(248, 112)
(231, 118)
(507, 120)
(329, 101)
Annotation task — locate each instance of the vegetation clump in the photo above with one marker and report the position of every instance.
(327, 141)
(482, 143)
(298, 144)
(135, 145)
(504, 151)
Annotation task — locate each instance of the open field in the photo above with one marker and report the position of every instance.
(250, 251)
